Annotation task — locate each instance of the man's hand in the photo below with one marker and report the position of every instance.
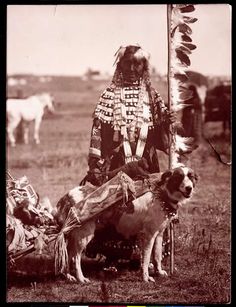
(95, 177)
(96, 122)
(171, 116)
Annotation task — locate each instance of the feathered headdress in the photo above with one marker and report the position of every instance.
(180, 48)
(138, 54)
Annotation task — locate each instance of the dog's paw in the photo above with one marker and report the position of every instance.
(84, 280)
(148, 278)
(162, 273)
(70, 278)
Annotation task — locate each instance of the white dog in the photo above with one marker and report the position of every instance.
(152, 213)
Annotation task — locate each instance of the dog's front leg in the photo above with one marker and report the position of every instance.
(71, 256)
(79, 273)
(83, 236)
(146, 255)
(78, 240)
(157, 254)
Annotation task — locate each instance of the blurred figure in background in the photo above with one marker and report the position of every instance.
(192, 116)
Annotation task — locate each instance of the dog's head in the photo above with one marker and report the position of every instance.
(179, 183)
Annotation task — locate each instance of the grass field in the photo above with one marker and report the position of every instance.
(202, 238)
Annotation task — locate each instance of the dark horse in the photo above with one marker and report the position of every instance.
(218, 105)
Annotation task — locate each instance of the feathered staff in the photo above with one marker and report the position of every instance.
(180, 47)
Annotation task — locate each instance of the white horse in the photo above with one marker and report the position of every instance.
(29, 109)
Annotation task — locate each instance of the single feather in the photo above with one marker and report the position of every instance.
(186, 8)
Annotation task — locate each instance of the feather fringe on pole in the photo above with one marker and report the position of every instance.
(180, 48)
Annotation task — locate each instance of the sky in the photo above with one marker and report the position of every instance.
(70, 39)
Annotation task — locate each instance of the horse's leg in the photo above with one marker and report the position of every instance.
(11, 137)
(36, 130)
(12, 124)
(26, 132)
(19, 135)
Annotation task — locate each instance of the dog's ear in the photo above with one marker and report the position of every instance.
(165, 175)
(196, 177)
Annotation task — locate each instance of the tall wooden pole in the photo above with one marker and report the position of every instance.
(180, 46)
(171, 143)
(169, 77)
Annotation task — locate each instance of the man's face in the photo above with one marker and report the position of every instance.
(131, 68)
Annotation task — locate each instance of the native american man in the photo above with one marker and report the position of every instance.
(130, 119)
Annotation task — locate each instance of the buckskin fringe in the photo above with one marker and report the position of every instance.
(61, 255)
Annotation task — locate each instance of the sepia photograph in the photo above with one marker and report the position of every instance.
(118, 154)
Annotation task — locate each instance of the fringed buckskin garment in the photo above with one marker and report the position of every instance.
(129, 117)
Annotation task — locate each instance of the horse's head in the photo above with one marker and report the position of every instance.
(48, 101)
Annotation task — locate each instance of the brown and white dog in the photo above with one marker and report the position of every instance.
(153, 212)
